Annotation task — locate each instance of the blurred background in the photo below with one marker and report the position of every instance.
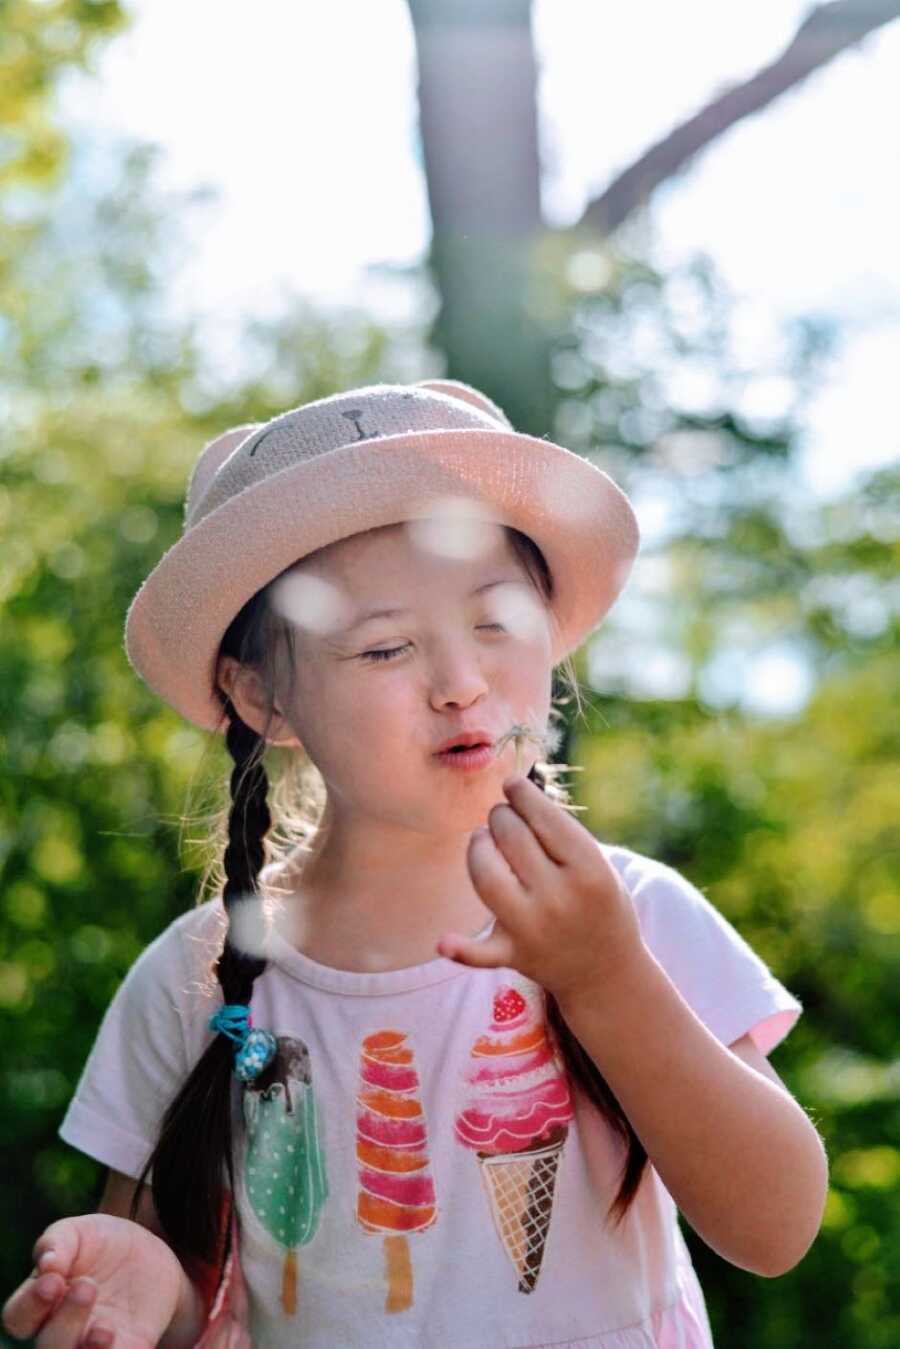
(663, 236)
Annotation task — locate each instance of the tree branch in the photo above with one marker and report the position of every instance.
(823, 34)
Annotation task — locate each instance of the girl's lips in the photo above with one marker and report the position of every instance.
(466, 760)
(475, 736)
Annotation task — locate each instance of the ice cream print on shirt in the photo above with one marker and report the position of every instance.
(284, 1171)
(396, 1190)
(516, 1122)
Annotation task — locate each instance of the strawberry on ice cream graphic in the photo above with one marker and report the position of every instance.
(396, 1191)
(516, 1122)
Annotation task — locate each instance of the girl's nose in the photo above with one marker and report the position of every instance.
(457, 676)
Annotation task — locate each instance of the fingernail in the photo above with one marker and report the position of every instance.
(82, 1292)
(47, 1258)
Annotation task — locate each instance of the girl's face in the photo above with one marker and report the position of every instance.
(373, 698)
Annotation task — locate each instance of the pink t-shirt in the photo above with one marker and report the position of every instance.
(416, 1170)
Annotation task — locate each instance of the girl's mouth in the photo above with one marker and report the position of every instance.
(467, 760)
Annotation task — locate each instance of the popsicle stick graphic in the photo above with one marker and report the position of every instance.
(284, 1171)
(396, 1192)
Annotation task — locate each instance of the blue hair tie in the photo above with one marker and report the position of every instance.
(255, 1048)
(233, 1020)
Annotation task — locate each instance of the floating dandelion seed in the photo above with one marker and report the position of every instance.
(520, 732)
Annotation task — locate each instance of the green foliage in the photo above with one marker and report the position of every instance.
(37, 43)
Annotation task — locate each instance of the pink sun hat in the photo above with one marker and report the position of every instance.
(264, 495)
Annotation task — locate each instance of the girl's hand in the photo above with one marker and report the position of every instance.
(130, 1279)
(564, 917)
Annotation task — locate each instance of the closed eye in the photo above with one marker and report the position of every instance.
(396, 650)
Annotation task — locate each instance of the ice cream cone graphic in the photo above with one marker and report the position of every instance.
(284, 1170)
(396, 1191)
(516, 1122)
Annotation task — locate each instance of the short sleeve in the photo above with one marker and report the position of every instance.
(720, 976)
(139, 1059)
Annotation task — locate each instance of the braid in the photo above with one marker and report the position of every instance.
(244, 854)
(193, 1155)
(236, 969)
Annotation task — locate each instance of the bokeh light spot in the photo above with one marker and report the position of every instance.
(249, 926)
(455, 527)
(311, 602)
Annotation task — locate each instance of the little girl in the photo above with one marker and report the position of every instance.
(444, 1073)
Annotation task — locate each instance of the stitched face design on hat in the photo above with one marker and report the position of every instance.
(353, 416)
(326, 425)
(257, 443)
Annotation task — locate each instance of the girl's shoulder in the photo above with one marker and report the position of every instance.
(198, 934)
(635, 867)
(181, 953)
(666, 901)
(201, 923)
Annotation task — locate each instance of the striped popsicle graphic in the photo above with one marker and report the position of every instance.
(396, 1191)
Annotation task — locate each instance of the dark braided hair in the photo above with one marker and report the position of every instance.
(195, 1135)
(193, 1154)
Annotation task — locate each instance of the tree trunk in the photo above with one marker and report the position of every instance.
(478, 111)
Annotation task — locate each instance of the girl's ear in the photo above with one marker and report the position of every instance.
(245, 689)
(281, 732)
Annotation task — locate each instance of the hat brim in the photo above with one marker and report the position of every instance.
(580, 519)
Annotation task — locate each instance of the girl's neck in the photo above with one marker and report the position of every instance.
(358, 927)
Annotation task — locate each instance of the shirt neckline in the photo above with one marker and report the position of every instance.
(302, 967)
(364, 983)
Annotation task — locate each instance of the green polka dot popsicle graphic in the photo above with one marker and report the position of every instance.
(284, 1172)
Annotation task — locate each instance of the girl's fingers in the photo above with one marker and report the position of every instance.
(493, 877)
(521, 850)
(496, 952)
(54, 1254)
(26, 1310)
(103, 1339)
(563, 840)
(58, 1319)
(498, 887)
(70, 1318)
(56, 1247)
